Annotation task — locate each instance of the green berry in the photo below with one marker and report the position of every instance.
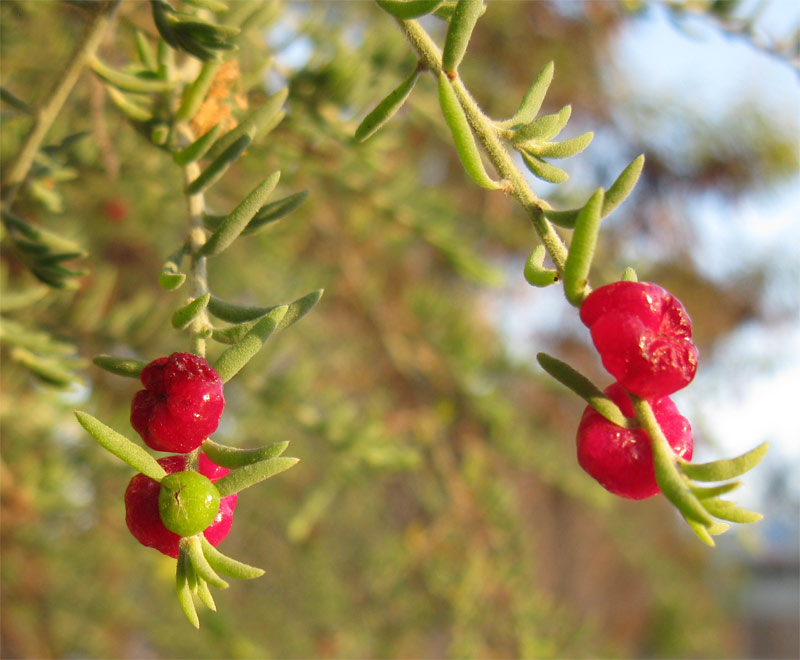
(188, 502)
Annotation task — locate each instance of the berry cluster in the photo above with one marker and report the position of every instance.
(179, 408)
(644, 337)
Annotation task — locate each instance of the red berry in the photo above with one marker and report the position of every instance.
(180, 405)
(643, 335)
(142, 514)
(621, 459)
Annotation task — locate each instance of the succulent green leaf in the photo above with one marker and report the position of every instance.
(462, 134)
(212, 5)
(145, 51)
(234, 358)
(227, 566)
(707, 492)
(388, 107)
(532, 101)
(729, 511)
(214, 171)
(20, 299)
(47, 369)
(200, 564)
(725, 469)
(543, 170)
(195, 93)
(171, 277)
(190, 311)
(197, 149)
(129, 367)
(585, 389)
(162, 22)
(233, 457)
(121, 447)
(544, 128)
(130, 83)
(581, 249)
(462, 23)
(51, 241)
(563, 149)
(204, 594)
(184, 590)
(249, 475)
(259, 121)
(407, 10)
(237, 220)
(701, 530)
(128, 106)
(226, 311)
(623, 186)
(535, 273)
(274, 211)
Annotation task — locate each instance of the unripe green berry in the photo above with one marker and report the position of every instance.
(188, 502)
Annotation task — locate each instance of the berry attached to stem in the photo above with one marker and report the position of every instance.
(181, 404)
(621, 459)
(643, 335)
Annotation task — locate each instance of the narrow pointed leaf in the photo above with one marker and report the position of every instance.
(257, 122)
(729, 511)
(237, 356)
(387, 108)
(563, 149)
(227, 566)
(725, 469)
(462, 135)
(581, 249)
(274, 211)
(195, 93)
(171, 277)
(212, 5)
(184, 591)
(234, 457)
(214, 171)
(237, 220)
(146, 55)
(233, 313)
(249, 475)
(707, 492)
(129, 367)
(461, 25)
(14, 101)
(585, 389)
(197, 149)
(532, 101)
(544, 128)
(200, 564)
(204, 594)
(128, 106)
(407, 10)
(189, 312)
(535, 273)
(543, 170)
(121, 447)
(701, 530)
(129, 83)
(623, 186)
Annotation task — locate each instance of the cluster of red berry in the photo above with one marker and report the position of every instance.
(179, 408)
(644, 337)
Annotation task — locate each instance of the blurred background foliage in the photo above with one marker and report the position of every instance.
(437, 510)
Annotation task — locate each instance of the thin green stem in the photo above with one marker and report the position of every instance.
(46, 114)
(484, 128)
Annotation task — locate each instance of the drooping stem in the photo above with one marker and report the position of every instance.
(46, 114)
(431, 57)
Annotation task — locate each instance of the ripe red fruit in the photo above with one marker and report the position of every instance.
(621, 459)
(181, 404)
(643, 335)
(143, 518)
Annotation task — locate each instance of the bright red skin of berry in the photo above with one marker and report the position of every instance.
(620, 459)
(144, 520)
(181, 404)
(643, 335)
